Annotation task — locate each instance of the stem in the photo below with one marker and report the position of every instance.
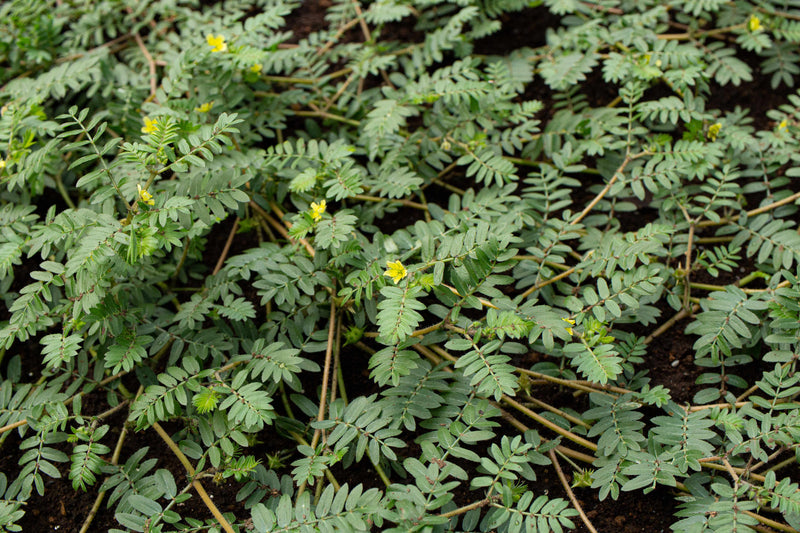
(706, 286)
(549, 425)
(317, 493)
(735, 470)
(605, 190)
(226, 249)
(687, 292)
(381, 473)
(680, 315)
(752, 276)
(151, 64)
(770, 458)
(541, 284)
(707, 33)
(325, 378)
(362, 22)
(340, 381)
(575, 420)
(613, 10)
(286, 79)
(332, 480)
(63, 191)
(336, 362)
(451, 188)
(195, 483)
(535, 259)
(16, 424)
(711, 240)
(67, 402)
(426, 213)
(786, 462)
(771, 523)
(99, 500)
(575, 503)
(336, 37)
(326, 373)
(407, 203)
(484, 302)
(280, 228)
(586, 386)
(758, 211)
(102, 161)
(505, 414)
(695, 408)
(424, 331)
(336, 96)
(325, 114)
(285, 400)
(182, 260)
(466, 508)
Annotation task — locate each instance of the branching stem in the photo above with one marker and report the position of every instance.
(564, 483)
(195, 482)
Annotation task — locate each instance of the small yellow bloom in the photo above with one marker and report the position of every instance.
(2, 164)
(150, 126)
(145, 196)
(205, 108)
(783, 125)
(753, 24)
(255, 69)
(217, 43)
(713, 131)
(571, 323)
(396, 271)
(317, 209)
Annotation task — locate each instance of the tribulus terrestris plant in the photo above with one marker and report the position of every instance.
(390, 271)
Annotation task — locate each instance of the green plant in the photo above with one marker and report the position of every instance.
(204, 219)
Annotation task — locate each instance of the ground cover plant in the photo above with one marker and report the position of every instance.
(402, 265)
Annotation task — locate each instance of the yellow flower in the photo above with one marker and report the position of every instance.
(783, 125)
(571, 323)
(317, 209)
(150, 126)
(395, 270)
(256, 68)
(205, 108)
(217, 43)
(713, 131)
(2, 164)
(753, 24)
(145, 196)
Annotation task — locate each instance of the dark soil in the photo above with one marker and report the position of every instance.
(63, 509)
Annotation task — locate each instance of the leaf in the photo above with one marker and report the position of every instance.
(599, 363)
(492, 374)
(398, 314)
